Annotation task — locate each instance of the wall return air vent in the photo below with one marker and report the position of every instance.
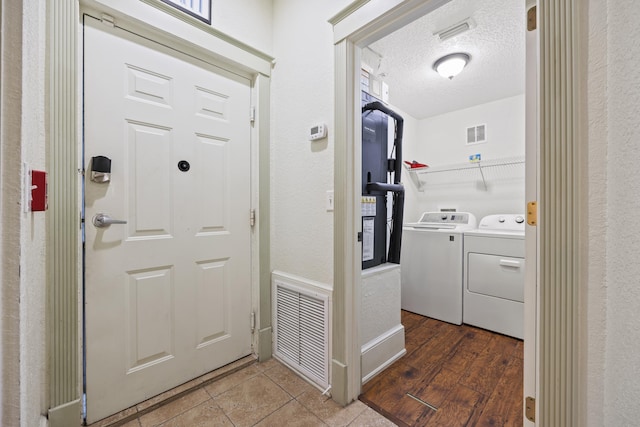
(477, 134)
(301, 329)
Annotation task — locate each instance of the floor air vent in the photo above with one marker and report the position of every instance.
(301, 329)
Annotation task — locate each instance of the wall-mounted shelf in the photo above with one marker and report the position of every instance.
(484, 171)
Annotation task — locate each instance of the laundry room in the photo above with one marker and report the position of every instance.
(457, 79)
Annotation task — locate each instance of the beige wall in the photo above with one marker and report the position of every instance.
(33, 224)
(23, 233)
(302, 172)
(246, 20)
(614, 291)
(10, 186)
(596, 305)
(442, 143)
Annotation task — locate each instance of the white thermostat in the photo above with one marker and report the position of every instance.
(317, 132)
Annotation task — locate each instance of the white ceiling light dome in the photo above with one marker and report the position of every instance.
(451, 65)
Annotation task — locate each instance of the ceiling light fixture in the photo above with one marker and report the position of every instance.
(451, 65)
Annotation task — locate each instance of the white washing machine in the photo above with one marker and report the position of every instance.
(431, 265)
(494, 275)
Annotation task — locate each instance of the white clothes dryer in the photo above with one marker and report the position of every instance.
(431, 265)
(494, 264)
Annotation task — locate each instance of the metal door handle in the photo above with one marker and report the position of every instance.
(103, 220)
(509, 263)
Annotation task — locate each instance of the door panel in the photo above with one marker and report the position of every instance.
(150, 198)
(215, 154)
(168, 293)
(150, 322)
(211, 325)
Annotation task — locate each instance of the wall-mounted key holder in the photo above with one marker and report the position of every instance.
(100, 169)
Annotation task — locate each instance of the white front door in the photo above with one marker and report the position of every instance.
(167, 295)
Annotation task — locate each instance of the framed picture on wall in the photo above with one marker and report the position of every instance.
(200, 9)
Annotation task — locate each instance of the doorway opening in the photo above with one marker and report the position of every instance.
(361, 43)
(481, 173)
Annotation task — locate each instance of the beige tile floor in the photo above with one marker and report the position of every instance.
(262, 394)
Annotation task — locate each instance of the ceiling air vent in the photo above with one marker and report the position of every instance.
(455, 29)
(477, 134)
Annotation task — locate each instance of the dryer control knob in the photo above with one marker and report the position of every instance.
(519, 219)
(501, 219)
(443, 217)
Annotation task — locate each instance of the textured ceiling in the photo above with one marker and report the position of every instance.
(496, 43)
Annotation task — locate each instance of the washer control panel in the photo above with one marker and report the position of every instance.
(447, 217)
(448, 220)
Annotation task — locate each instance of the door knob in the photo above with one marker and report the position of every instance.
(103, 220)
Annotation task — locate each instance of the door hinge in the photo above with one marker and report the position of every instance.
(253, 321)
(252, 115)
(252, 217)
(530, 408)
(108, 20)
(532, 20)
(532, 213)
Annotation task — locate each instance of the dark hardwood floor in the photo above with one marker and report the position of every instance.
(451, 376)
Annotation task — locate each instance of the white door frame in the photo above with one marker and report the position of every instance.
(354, 28)
(559, 339)
(532, 191)
(161, 22)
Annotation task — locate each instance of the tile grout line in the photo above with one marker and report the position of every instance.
(172, 398)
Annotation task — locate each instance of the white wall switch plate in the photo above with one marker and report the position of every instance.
(330, 201)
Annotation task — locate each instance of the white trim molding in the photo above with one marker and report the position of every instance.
(193, 35)
(561, 212)
(345, 361)
(63, 237)
(382, 351)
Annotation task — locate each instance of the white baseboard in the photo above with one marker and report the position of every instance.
(381, 352)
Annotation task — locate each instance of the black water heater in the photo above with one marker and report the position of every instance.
(381, 170)
(374, 169)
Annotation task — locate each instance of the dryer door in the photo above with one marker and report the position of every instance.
(497, 276)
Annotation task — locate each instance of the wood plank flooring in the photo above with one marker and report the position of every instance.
(451, 376)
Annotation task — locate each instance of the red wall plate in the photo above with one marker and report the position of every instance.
(38, 191)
